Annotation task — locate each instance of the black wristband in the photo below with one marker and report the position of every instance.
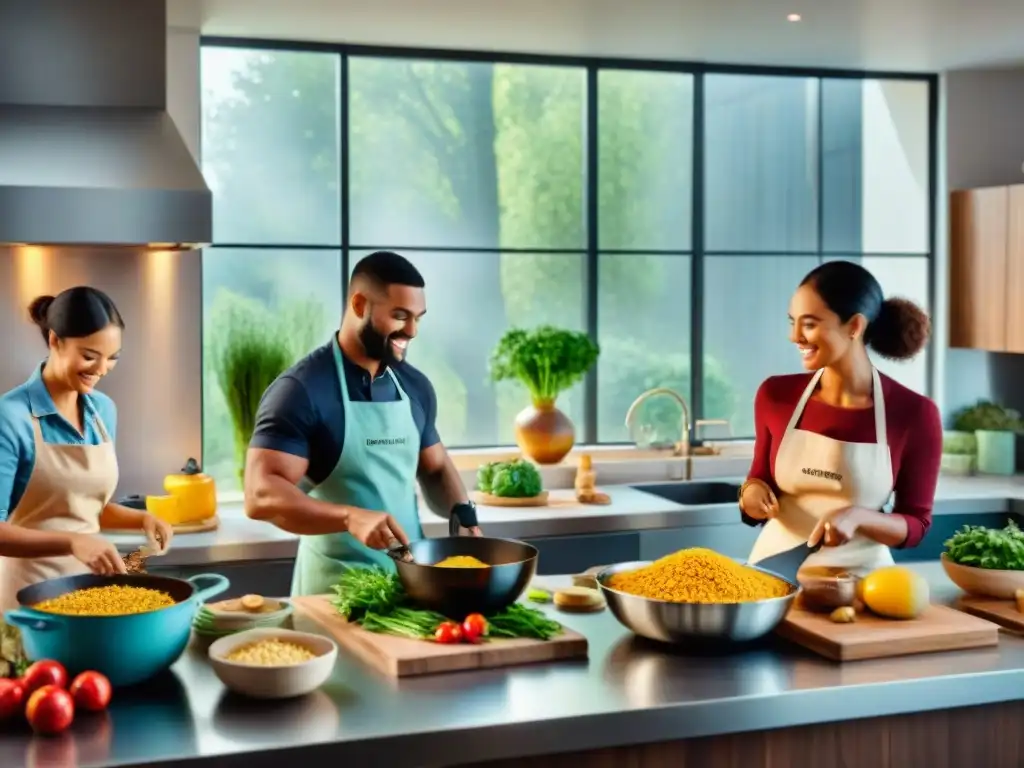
(465, 513)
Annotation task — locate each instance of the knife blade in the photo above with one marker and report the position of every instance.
(786, 564)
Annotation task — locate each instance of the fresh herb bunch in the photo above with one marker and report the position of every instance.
(360, 591)
(992, 548)
(404, 622)
(519, 621)
(546, 360)
(511, 479)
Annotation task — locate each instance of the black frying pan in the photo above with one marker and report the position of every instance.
(457, 592)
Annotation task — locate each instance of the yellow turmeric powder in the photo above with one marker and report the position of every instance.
(699, 575)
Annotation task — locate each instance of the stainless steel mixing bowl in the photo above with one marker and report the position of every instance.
(679, 622)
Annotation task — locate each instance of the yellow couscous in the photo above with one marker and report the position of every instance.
(461, 561)
(699, 575)
(270, 653)
(113, 600)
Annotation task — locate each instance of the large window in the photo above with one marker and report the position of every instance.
(668, 213)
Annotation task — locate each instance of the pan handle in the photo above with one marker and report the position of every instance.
(398, 551)
(453, 525)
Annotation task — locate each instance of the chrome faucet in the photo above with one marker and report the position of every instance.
(681, 448)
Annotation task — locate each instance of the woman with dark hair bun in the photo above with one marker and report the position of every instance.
(832, 446)
(58, 468)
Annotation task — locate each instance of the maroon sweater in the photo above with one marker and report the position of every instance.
(914, 432)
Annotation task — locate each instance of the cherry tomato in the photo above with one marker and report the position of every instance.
(12, 698)
(50, 710)
(474, 627)
(44, 673)
(448, 633)
(91, 691)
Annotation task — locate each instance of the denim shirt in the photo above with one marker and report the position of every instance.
(17, 438)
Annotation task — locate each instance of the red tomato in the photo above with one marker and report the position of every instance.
(44, 673)
(448, 633)
(50, 710)
(91, 691)
(474, 627)
(12, 698)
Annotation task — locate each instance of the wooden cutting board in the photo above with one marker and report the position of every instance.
(489, 500)
(1002, 612)
(402, 657)
(871, 637)
(558, 499)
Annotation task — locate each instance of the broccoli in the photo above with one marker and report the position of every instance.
(519, 479)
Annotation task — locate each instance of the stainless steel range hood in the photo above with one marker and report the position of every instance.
(88, 154)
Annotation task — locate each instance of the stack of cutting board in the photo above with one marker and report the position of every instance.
(403, 657)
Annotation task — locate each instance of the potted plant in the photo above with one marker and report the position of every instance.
(255, 347)
(959, 453)
(547, 361)
(995, 428)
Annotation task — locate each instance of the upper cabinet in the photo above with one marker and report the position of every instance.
(986, 278)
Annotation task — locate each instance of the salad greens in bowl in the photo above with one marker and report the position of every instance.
(988, 562)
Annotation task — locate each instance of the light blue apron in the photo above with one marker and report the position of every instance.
(376, 471)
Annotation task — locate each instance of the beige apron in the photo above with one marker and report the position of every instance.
(68, 489)
(817, 476)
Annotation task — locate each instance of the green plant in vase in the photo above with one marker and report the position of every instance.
(547, 361)
(251, 354)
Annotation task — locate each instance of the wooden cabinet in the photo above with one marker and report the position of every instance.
(986, 278)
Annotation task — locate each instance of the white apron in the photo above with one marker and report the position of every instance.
(817, 476)
(68, 489)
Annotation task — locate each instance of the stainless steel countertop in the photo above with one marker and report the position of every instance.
(240, 539)
(628, 692)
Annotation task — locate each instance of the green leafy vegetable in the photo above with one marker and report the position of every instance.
(538, 596)
(518, 479)
(519, 621)
(404, 622)
(485, 475)
(367, 590)
(375, 599)
(981, 547)
(546, 360)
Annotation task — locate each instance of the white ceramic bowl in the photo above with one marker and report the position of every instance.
(278, 682)
(983, 582)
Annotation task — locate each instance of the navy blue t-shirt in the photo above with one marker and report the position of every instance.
(302, 412)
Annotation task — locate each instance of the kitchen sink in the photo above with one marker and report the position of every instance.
(694, 493)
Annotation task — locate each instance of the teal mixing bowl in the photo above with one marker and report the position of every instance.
(127, 649)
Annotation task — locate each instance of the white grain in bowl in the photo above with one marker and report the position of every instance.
(274, 682)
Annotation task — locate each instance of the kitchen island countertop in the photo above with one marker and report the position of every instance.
(241, 539)
(629, 692)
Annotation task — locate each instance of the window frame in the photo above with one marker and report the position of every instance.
(698, 254)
